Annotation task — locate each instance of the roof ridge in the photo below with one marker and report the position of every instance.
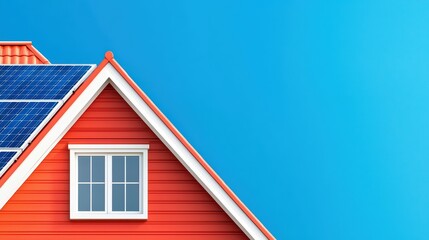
(14, 53)
(15, 42)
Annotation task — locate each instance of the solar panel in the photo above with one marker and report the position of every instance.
(5, 157)
(18, 120)
(29, 97)
(40, 81)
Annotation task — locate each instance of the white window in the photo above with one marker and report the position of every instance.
(108, 181)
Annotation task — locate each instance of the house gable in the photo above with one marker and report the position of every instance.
(109, 72)
(178, 205)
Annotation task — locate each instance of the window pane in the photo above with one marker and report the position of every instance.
(118, 197)
(83, 197)
(118, 166)
(132, 168)
(98, 168)
(98, 197)
(83, 168)
(132, 197)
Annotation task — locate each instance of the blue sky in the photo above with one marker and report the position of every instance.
(314, 112)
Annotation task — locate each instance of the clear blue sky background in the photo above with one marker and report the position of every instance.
(314, 112)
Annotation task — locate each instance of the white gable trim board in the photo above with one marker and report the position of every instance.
(109, 75)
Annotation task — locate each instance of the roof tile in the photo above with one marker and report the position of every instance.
(20, 53)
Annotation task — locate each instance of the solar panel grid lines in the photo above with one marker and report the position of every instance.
(39, 82)
(19, 119)
(5, 159)
(30, 95)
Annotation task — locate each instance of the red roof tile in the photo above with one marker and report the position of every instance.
(20, 53)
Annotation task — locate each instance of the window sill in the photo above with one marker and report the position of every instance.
(108, 216)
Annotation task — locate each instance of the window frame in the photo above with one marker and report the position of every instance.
(109, 150)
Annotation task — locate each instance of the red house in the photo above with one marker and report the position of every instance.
(85, 154)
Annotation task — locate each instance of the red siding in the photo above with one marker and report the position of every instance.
(179, 208)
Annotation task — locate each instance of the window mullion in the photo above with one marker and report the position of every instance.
(90, 183)
(109, 183)
(125, 183)
(140, 183)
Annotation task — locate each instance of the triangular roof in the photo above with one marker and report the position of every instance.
(20, 53)
(110, 72)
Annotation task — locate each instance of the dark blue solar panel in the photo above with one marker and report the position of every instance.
(18, 120)
(21, 111)
(5, 157)
(39, 81)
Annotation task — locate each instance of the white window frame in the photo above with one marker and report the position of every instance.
(108, 150)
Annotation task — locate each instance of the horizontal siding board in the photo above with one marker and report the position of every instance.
(41, 206)
(40, 217)
(153, 196)
(164, 176)
(100, 125)
(100, 115)
(63, 196)
(179, 208)
(151, 236)
(148, 227)
(118, 134)
(84, 227)
(41, 185)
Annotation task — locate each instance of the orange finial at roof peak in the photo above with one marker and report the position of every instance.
(108, 55)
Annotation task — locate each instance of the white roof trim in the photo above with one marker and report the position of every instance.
(109, 75)
(21, 42)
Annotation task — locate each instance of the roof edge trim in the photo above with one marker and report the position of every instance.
(15, 42)
(38, 54)
(110, 57)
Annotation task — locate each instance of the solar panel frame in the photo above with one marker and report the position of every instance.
(49, 116)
